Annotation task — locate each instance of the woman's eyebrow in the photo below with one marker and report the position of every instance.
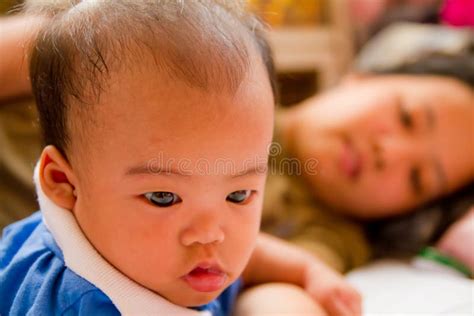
(415, 180)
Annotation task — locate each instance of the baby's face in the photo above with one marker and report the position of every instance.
(170, 190)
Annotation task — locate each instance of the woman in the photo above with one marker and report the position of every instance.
(385, 145)
(381, 165)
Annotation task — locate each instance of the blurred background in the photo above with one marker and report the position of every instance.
(315, 42)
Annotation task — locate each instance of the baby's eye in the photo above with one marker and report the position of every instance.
(162, 199)
(239, 197)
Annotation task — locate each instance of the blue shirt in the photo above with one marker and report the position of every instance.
(35, 280)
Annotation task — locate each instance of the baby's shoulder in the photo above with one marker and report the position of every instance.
(35, 280)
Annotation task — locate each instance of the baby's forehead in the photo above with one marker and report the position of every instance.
(145, 91)
(191, 126)
(218, 135)
(144, 103)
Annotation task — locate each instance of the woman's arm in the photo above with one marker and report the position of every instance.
(275, 260)
(16, 35)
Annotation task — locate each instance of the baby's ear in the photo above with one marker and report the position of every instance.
(56, 178)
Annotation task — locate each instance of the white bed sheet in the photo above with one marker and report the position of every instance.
(391, 287)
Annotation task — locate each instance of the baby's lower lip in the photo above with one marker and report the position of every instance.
(205, 280)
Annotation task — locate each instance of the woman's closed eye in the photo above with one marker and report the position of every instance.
(406, 118)
(162, 199)
(240, 196)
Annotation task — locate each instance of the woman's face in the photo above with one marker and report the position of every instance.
(387, 144)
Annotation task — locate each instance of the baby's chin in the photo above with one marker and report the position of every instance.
(192, 298)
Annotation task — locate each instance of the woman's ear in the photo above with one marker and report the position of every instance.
(56, 178)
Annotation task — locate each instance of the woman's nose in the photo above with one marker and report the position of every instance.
(390, 151)
(205, 229)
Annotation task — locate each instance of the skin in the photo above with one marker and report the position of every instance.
(167, 120)
(413, 135)
(16, 33)
(296, 266)
(268, 300)
(457, 240)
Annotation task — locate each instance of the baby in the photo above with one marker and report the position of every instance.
(157, 116)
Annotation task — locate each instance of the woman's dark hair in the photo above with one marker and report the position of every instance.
(459, 66)
(406, 235)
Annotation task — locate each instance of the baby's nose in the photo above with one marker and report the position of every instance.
(203, 232)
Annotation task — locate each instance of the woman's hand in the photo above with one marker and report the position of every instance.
(458, 239)
(275, 260)
(332, 292)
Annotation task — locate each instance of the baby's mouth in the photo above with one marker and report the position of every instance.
(206, 278)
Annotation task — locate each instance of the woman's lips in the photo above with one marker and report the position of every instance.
(350, 161)
(206, 278)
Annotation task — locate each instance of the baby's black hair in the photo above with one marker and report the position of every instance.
(206, 44)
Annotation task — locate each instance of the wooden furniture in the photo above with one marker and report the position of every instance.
(326, 49)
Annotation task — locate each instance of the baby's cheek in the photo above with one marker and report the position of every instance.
(242, 241)
(151, 258)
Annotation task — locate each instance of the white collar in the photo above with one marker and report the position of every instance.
(80, 256)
